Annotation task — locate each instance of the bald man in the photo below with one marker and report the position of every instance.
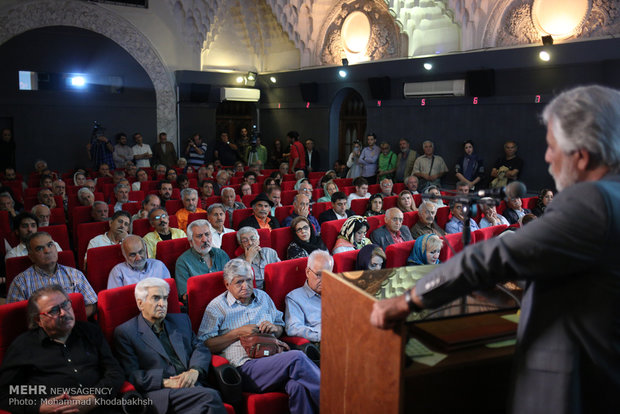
(137, 266)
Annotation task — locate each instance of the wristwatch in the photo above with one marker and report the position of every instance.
(410, 303)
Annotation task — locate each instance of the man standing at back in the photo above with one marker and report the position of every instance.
(368, 159)
(141, 152)
(297, 157)
(164, 152)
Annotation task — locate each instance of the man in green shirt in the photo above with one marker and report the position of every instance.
(386, 163)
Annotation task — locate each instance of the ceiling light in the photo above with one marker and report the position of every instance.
(78, 81)
(272, 79)
(544, 56)
(252, 76)
(342, 73)
(428, 66)
(239, 79)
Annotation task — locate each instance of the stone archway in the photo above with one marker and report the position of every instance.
(29, 15)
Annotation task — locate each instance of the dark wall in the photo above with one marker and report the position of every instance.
(55, 125)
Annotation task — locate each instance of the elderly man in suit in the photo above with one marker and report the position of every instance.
(162, 357)
(164, 152)
(392, 231)
(568, 342)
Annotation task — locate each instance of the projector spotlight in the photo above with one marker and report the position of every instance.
(272, 79)
(342, 73)
(428, 66)
(78, 81)
(544, 56)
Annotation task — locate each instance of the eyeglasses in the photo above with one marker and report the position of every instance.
(319, 275)
(55, 311)
(245, 240)
(161, 216)
(300, 229)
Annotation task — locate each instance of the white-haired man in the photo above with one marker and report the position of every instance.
(43, 214)
(241, 311)
(429, 168)
(189, 197)
(216, 214)
(258, 257)
(121, 194)
(200, 258)
(230, 203)
(303, 305)
(162, 357)
(392, 231)
(568, 342)
(137, 266)
(85, 197)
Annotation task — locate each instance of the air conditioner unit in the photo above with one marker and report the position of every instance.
(239, 94)
(454, 87)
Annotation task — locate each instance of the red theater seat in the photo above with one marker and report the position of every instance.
(329, 232)
(172, 206)
(343, 182)
(318, 208)
(86, 231)
(359, 206)
(240, 215)
(489, 232)
(389, 202)
(59, 234)
(131, 207)
(283, 212)
(442, 216)
(287, 197)
(101, 260)
(168, 251)
(410, 218)
(456, 241)
(57, 216)
(282, 277)
(398, 253)
(280, 239)
(345, 261)
(201, 290)
(247, 199)
(375, 222)
(230, 244)
(196, 216)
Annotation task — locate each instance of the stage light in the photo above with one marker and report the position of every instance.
(273, 79)
(78, 81)
(428, 66)
(345, 62)
(342, 73)
(547, 40)
(252, 76)
(240, 79)
(544, 56)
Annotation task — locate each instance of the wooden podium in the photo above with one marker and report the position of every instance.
(363, 368)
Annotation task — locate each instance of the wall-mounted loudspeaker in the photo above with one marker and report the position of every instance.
(380, 88)
(309, 91)
(194, 92)
(481, 82)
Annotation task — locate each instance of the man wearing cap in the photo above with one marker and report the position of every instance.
(261, 218)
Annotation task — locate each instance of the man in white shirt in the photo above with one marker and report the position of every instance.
(119, 228)
(216, 214)
(24, 224)
(141, 152)
(361, 190)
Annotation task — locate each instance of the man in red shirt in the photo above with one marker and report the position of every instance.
(297, 158)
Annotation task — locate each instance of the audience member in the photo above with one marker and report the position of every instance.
(283, 170)
(278, 153)
(256, 153)
(85, 197)
(375, 206)
(164, 188)
(370, 257)
(339, 209)
(260, 219)
(361, 190)
(160, 170)
(59, 188)
(175, 376)
(100, 151)
(426, 250)
(24, 225)
(171, 175)
(100, 211)
(313, 159)
(79, 179)
(121, 194)
(526, 219)
(514, 210)
(544, 198)
(206, 191)
(411, 184)
(301, 208)
(196, 151)
(46, 181)
(230, 203)
(221, 181)
(507, 169)
(189, 197)
(43, 214)
(59, 352)
(469, 167)
(352, 235)
(429, 168)
(434, 196)
(258, 257)
(164, 151)
(246, 189)
(141, 152)
(45, 196)
(340, 167)
(297, 154)
(368, 160)
(137, 265)
(303, 305)
(241, 311)
(490, 218)
(405, 202)
(426, 221)
(392, 231)
(217, 218)
(182, 182)
(275, 195)
(353, 163)
(457, 222)
(406, 159)
(46, 270)
(386, 163)
(119, 228)
(122, 151)
(150, 202)
(304, 239)
(200, 258)
(224, 150)
(386, 185)
(7, 204)
(90, 184)
(160, 221)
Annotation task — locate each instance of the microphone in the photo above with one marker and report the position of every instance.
(515, 189)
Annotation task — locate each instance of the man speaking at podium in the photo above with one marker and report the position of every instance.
(567, 358)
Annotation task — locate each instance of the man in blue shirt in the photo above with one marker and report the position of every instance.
(137, 266)
(303, 305)
(456, 223)
(201, 257)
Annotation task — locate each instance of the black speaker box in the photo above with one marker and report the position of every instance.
(194, 92)
(380, 88)
(309, 91)
(481, 82)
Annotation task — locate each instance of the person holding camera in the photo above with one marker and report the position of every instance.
(196, 151)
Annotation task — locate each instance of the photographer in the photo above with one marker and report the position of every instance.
(196, 151)
(225, 150)
(100, 149)
(256, 152)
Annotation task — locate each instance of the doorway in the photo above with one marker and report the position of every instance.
(352, 123)
(232, 116)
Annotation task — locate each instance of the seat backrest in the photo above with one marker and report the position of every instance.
(16, 265)
(86, 232)
(78, 215)
(101, 260)
(240, 215)
(398, 253)
(57, 216)
(456, 241)
(410, 218)
(345, 261)
(168, 251)
(316, 174)
(280, 239)
(529, 202)
(14, 319)
(318, 208)
(172, 206)
(140, 227)
(201, 290)
(59, 234)
(389, 202)
(282, 277)
(131, 207)
(196, 216)
(375, 222)
(329, 232)
(5, 225)
(343, 182)
(359, 206)
(287, 185)
(118, 305)
(442, 216)
(287, 197)
(489, 232)
(248, 198)
(374, 188)
(283, 212)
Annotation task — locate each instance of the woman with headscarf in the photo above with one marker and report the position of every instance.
(329, 188)
(375, 205)
(425, 250)
(352, 235)
(370, 257)
(305, 241)
(469, 167)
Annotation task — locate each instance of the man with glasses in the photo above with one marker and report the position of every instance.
(305, 188)
(386, 187)
(46, 271)
(137, 266)
(301, 208)
(258, 257)
(200, 258)
(303, 305)
(392, 231)
(159, 220)
(58, 351)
